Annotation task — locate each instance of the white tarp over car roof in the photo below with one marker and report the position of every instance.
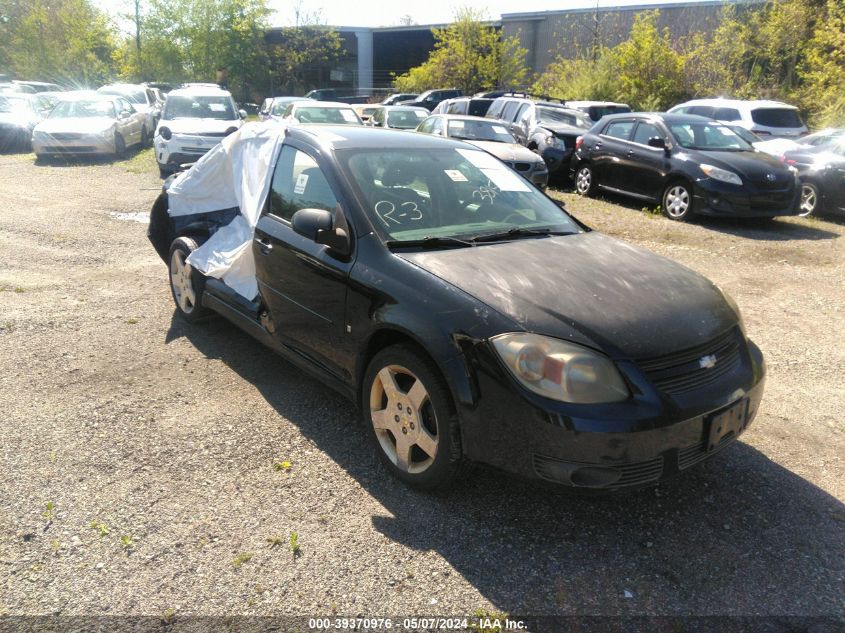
(235, 173)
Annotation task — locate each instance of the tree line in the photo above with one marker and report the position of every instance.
(792, 50)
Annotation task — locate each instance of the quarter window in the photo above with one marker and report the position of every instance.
(298, 183)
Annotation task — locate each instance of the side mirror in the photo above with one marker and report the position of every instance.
(242, 114)
(657, 142)
(324, 227)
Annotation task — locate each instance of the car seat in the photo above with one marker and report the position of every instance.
(411, 210)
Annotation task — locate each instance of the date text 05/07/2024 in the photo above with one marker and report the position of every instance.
(415, 624)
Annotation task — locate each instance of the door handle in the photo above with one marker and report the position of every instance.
(630, 153)
(264, 246)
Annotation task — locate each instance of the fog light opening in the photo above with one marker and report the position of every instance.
(595, 476)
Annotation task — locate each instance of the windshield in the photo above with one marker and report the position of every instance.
(335, 116)
(411, 194)
(746, 135)
(83, 108)
(132, 96)
(280, 105)
(480, 131)
(708, 136)
(569, 117)
(405, 119)
(199, 107)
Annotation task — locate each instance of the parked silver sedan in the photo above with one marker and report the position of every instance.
(89, 123)
(494, 138)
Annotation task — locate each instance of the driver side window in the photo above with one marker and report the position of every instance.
(298, 183)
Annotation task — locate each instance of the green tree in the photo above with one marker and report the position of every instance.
(823, 68)
(66, 41)
(296, 51)
(469, 55)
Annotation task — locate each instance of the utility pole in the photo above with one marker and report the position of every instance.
(138, 35)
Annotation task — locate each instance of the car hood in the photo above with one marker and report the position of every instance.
(588, 288)
(507, 151)
(815, 156)
(561, 128)
(17, 118)
(199, 126)
(752, 165)
(80, 125)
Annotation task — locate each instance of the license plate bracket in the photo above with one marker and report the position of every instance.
(723, 423)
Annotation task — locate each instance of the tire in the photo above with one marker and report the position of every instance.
(119, 146)
(164, 172)
(186, 284)
(409, 414)
(585, 181)
(145, 137)
(809, 199)
(677, 201)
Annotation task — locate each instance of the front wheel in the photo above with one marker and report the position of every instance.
(677, 202)
(186, 284)
(408, 409)
(585, 182)
(119, 146)
(809, 199)
(145, 137)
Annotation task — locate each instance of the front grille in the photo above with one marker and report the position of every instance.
(66, 136)
(206, 134)
(698, 452)
(772, 202)
(682, 372)
(195, 150)
(64, 149)
(633, 474)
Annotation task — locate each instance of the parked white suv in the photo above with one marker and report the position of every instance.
(143, 99)
(767, 119)
(193, 121)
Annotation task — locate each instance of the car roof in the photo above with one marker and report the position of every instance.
(351, 136)
(393, 108)
(584, 104)
(666, 117)
(737, 103)
(192, 91)
(311, 103)
(467, 117)
(122, 87)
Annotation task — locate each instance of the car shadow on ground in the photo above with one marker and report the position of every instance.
(738, 534)
(81, 160)
(763, 229)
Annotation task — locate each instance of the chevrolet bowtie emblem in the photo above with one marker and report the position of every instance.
(706, 362)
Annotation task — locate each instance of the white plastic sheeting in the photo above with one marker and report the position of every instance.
(235, 173)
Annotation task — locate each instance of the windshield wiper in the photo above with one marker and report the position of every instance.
(517, 232)
(431, 241)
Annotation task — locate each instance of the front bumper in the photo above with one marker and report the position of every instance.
(557, 160)
(182, 148)
(535, 172)
(72, 143)
(646, 439)
(715, 198)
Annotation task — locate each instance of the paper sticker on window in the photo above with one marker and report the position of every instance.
(301, 182)
(482, 160)
(498, 129)
(505, 179)
(349, 115)
(455, 175)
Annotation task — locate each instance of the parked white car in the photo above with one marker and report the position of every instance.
(193, 121)
(86, 122)
(767, 119)
(143, 99)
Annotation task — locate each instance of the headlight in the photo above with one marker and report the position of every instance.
(560, 370)
(553, 141)
(721, 174)
(165, 133)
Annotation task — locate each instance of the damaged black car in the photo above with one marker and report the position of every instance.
(467, 314)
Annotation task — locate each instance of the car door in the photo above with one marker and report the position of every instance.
(128, 122)
(610, 150)
(644, 168)
(303, 284)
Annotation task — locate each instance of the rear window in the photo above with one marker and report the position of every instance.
(597, 112)
(479, 107)
(727, 114)
(706, 111)
(776, 117)
(619, 129)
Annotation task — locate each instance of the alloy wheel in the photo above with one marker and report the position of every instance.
(403, 419)
(182, 282)
(677, 201)
(809, 200)
(584, 181)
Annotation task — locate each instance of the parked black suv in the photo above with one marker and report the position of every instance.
(550, 129)
(687, 163)
(431, 98)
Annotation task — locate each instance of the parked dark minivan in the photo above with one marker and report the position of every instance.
(686, 163)
(430, 99)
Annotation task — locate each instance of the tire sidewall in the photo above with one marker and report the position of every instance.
(592, 186)
(449, 454)
(187, 246)
(119, 145)
(688, 213)
(815, 210)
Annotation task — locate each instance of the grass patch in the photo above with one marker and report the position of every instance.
(240, 559)
(143, 162)
(294, 544)
(101, 528)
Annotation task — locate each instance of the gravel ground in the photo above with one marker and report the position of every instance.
(142, 458)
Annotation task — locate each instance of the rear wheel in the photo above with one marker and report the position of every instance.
(677, 202)
(409, 412)
(809, 199)
(585, 182)
(186, 283)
